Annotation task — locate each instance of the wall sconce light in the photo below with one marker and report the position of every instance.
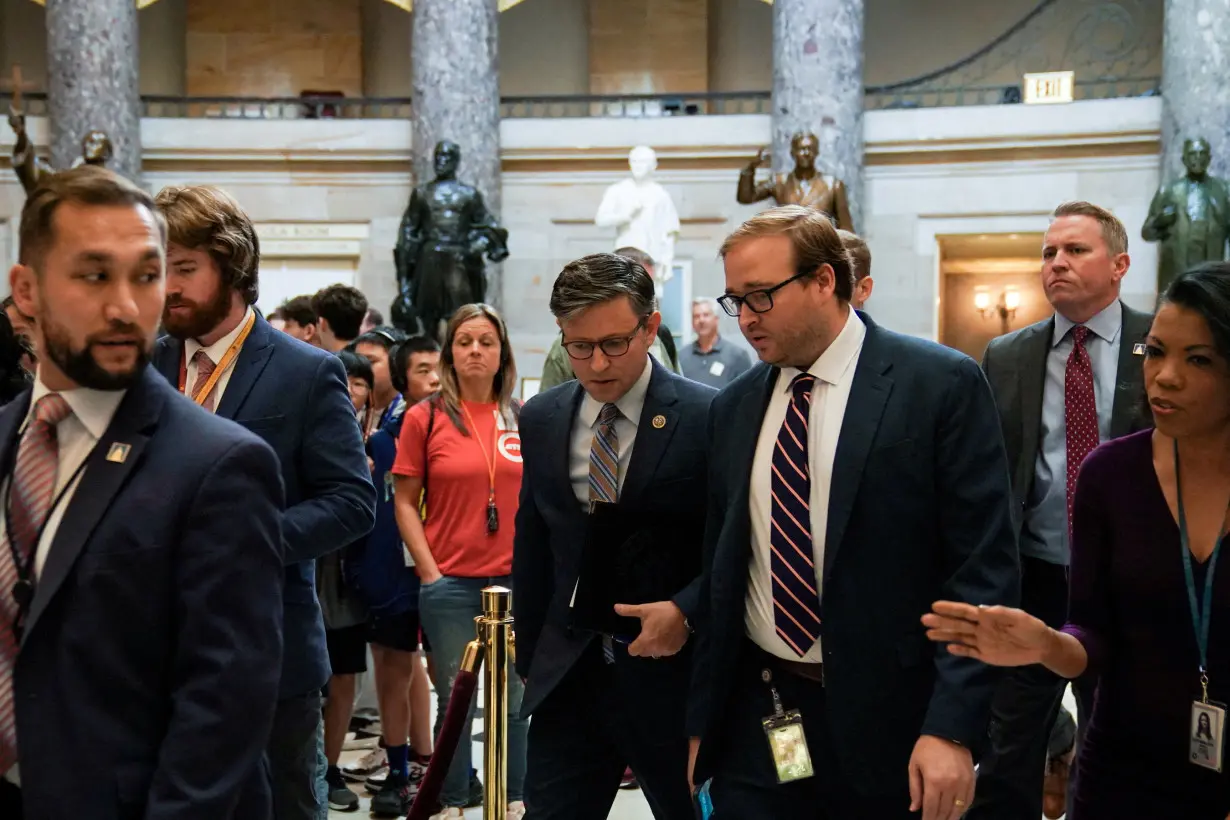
(1005, 307)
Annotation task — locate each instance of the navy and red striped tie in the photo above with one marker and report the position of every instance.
(796, 599)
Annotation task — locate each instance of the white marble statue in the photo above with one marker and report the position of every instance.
(642, 213)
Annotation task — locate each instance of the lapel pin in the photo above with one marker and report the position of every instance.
(1138, 349)
(659, 422)
(118, 453)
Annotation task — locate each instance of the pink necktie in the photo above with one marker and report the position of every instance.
(204, 369)
(1080, 412)
(34, 478)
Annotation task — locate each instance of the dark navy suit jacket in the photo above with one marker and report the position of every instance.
(294, 396)
(148, 674)
(919, 511)
(666, 474)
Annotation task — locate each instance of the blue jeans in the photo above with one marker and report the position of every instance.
(447, 609)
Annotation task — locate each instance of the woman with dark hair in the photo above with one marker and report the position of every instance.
(463, 448)
(361, 381)
(14, 378)
(1149, 609)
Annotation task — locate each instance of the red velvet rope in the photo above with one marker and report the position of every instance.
(454, 729)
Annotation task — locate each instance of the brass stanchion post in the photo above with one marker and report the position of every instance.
(495, 631)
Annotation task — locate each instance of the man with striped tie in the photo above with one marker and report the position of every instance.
(855, 474)
(634, 435)
(141, 563)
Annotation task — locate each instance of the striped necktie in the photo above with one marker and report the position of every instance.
(604, 479)
(796, 600)
(33, 482)
(204, 369)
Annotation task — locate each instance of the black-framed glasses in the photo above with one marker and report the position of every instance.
(613, 347)
(757, 301)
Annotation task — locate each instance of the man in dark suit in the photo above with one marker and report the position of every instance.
(1077, 372)
(140, 573)
(854, 476)
(627, 431)
(227, 358)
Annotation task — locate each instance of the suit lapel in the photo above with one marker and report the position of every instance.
(132, 425)
(167, 358)
(1129, 377)
(742, 438)
(654, 431)
(869, 394)
(253, 357)
(559, 441)
(1035, 346)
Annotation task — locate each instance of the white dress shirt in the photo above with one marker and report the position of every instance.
(586, 427)
(834, 372)
(215, 352)
(92, 411)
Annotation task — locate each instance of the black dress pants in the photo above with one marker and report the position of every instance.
(744, 785)
(1024, 711)
(601, 719)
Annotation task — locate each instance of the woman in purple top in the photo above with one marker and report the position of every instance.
(1150, 514)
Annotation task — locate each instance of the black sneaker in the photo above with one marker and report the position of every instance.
(394, 798)
(341, 798)
(476, 791)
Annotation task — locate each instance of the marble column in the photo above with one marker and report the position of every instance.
(1195, 94)
(457, 97)
(92, 62)
(818, 87)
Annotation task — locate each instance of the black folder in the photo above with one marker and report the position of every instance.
(631, 556)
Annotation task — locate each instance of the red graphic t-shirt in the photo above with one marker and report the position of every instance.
(458, 483)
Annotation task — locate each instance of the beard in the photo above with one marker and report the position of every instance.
(80, 365)
(202, 317)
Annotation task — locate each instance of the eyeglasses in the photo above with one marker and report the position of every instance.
(757, 301)
(611, 348)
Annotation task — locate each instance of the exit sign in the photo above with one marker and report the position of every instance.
(1049, 87)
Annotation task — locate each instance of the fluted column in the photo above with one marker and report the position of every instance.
(457, 96)
(818, 86)
(92, 64)
(1195, 91)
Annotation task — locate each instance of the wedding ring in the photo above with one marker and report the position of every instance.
(960, 804)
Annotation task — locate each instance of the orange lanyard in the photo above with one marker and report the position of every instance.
(227, 359)
(489, 460)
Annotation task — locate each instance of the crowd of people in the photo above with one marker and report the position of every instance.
(822, 562)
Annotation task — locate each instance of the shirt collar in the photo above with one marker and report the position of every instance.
(1106, 325)
(218, 349)
(834, 362)
(93, 408)
(630, 404)
(717, 345)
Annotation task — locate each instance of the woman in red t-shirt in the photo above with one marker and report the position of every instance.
(464, 448)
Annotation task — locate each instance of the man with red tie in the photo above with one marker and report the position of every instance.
(1062, 385)
(854, 474)
(140, 544)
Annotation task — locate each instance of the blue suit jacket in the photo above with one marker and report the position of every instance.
(294, 396)
(919, 511)
(666, 474)
(154, 638)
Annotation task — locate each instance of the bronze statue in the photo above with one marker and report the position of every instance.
(1190, 217)
(443, 237)
(802, 186)
(31, 169)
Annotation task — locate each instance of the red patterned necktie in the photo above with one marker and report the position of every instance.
(34, 478)
(796, 600)
(204, 369)
(1080, 411)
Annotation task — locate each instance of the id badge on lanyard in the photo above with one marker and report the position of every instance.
(787, 741)
(1206, 744)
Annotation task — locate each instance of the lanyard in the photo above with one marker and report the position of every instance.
(227, 359)
(489, 460)
(1202, 615)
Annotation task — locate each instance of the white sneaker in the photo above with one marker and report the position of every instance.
(366, 766)
(516, 810)
(451, 813)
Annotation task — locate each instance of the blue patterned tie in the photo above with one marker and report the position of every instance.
(604, 479)
(796, 601)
